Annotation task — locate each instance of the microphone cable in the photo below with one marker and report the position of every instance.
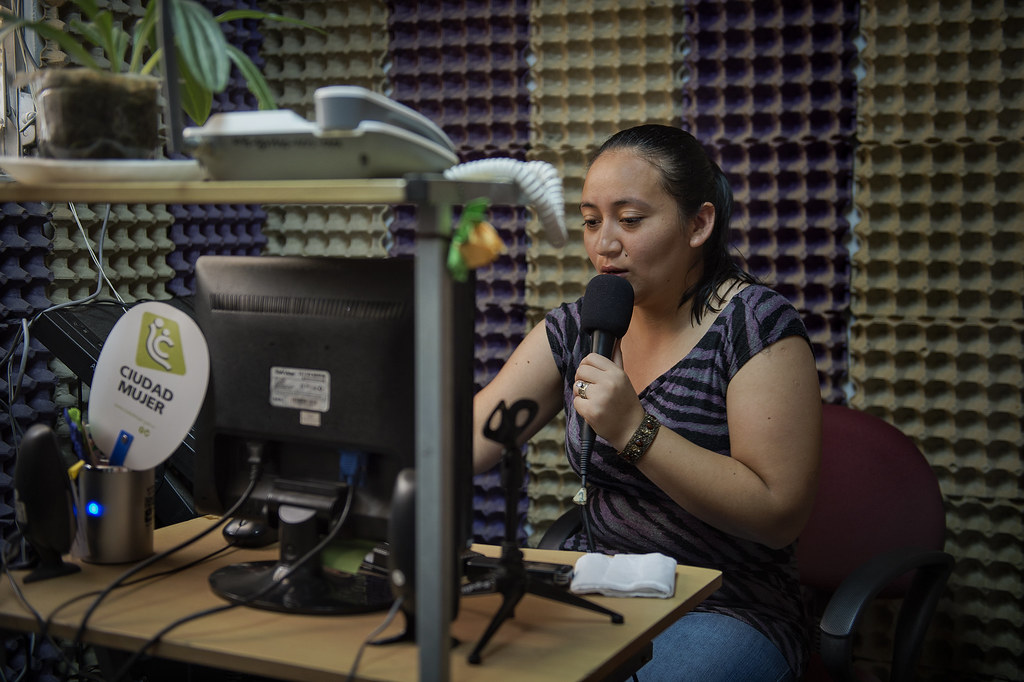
(314, 552)
(582, 496)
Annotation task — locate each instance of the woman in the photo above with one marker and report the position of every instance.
(719, 370)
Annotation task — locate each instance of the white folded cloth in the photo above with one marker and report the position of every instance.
(625, 575)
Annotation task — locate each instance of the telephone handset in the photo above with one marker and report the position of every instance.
(345, 107)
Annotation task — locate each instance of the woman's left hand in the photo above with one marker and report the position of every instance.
(611, 405)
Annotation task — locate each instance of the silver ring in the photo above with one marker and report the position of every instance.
(581, 389)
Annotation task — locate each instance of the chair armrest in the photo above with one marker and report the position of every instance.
(564, 527)
(843, 611)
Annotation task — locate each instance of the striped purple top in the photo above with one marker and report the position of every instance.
(630, 515)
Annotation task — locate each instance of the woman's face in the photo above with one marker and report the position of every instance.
(632, 228)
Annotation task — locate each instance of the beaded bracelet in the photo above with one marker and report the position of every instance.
(641, 439)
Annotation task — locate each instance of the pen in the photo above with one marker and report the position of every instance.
(74, 420)
(75, 468)
(120, 451)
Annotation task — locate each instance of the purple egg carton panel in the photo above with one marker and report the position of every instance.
(216, 229)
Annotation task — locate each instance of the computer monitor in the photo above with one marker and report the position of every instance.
(312, 365)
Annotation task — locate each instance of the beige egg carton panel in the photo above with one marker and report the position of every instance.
(939, 231)
(559, 274)
(953, 387)
(135, 251)
(990, 531)
(552, 482)
(343, 231)
(941, 71)
(351, 51)
(600, 67)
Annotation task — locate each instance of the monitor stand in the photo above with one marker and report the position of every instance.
(309, 588)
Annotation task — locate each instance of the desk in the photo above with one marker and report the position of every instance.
(545, 640)
(435, 392)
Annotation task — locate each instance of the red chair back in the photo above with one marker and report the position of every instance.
(876, 492)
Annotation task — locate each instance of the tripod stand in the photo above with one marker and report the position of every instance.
(510, 577)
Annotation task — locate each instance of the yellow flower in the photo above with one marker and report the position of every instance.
(482, 247)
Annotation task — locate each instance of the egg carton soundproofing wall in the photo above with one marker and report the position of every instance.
(352, 50)
(135, 255)
(464, 66)
(772, 92)
(24, 279)
(936, 341)
(597, 67)
(150, 250)
(461, 66)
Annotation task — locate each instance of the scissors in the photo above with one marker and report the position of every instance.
(506, 424)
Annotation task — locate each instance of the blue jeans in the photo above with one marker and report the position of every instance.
(710, 647)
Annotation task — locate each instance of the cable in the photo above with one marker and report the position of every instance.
(160, 574)
(43, 625)
(97, 261)
(254, 476)
(21, 595)
(373, 635)
(314, 552)
(23, 335)
(538, 180)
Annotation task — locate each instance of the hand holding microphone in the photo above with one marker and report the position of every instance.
(605, 314)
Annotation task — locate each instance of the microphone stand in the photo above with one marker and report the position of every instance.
(510, 577)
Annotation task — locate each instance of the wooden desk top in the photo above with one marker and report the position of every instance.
(546, 640)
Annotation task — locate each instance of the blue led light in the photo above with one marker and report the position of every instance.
(93, 508)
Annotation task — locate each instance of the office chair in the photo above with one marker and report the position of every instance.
(876, 530)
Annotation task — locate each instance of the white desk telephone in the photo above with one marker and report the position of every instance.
(359, 134)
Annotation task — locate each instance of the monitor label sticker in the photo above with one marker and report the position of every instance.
(300, 389)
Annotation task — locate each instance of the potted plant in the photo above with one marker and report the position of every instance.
(107, 107)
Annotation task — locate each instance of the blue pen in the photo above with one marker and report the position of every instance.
(75, 431)
(120, 451)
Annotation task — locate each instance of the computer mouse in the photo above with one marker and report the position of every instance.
(246, 533)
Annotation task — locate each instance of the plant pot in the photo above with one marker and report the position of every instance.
(85, 114)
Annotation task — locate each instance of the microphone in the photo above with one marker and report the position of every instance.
(605, 314)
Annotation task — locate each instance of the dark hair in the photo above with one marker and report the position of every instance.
(690, 177)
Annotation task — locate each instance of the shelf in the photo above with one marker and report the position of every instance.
(418, 189)
(385, 191)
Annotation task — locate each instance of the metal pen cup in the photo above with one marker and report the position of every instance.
(115, 514)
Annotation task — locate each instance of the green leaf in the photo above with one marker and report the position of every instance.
(253, 78)
(67, 42)
(196, 98)
(152, 62)
(201, 44)
(90, 32)
(105, 34)
(119, 49)
(142, 37)
(89, 8)
(235, 14)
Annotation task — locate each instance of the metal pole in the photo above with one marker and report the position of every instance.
(435, 400)
(169, 67)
